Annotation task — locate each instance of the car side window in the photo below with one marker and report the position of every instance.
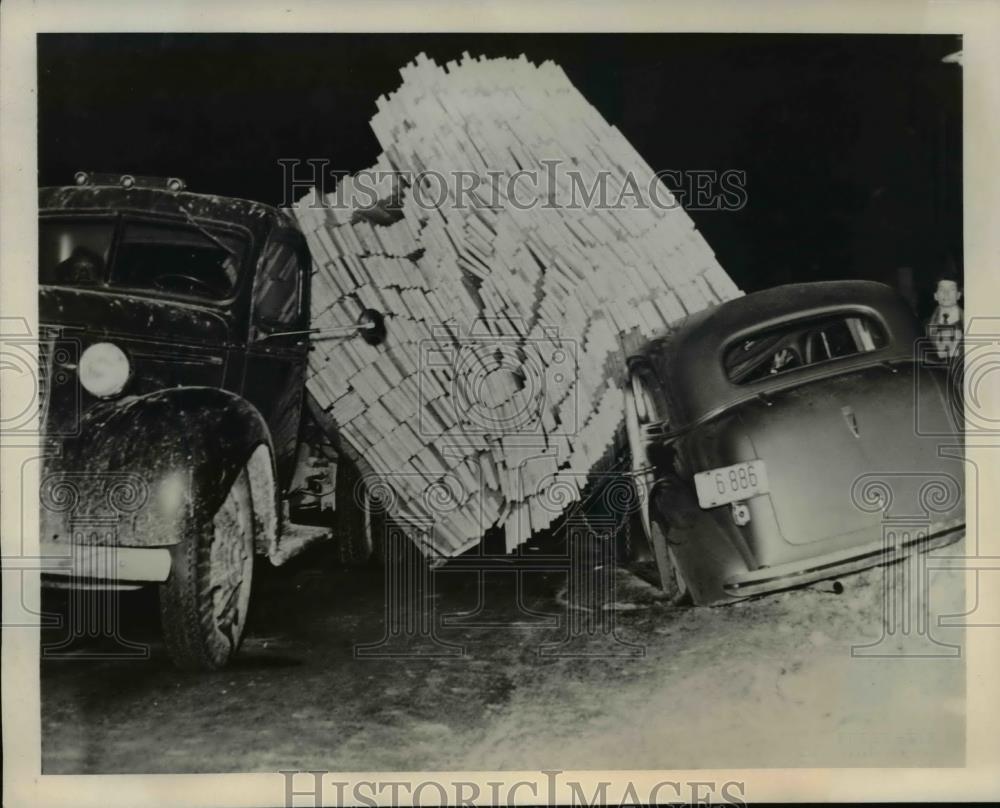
(279, 288)
(800, 344)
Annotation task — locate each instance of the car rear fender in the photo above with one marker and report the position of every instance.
(705, 550)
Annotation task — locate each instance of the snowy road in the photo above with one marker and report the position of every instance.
(770, 682)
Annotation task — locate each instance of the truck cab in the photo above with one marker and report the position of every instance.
(173, 356)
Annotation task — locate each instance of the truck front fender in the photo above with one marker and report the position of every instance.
(143, 465)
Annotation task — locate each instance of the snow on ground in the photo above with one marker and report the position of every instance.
(763, 683)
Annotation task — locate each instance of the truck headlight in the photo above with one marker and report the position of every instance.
(104, 369)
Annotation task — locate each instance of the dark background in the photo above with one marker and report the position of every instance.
(851, 144)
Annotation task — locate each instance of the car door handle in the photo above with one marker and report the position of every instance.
(851, 419)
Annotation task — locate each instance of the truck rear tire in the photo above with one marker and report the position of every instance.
(204, 602)
(364, 526)
(353, 525)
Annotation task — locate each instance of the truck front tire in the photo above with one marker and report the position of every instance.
(204, 602)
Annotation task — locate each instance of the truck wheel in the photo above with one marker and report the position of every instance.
(364, 526)
(203, 604)
(382, 530)
(352, 519)
(376, 522)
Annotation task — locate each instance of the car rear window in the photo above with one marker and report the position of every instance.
(801, 344)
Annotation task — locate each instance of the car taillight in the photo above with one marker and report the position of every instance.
(104, 369)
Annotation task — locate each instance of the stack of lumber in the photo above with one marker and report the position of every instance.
(499, 385)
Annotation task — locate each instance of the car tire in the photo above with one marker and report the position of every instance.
(634, 552)
(631, 542)
(204, 602)
(671, 581)
(650, 557)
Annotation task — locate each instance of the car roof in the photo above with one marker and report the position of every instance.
(690, 359)
(258, 218)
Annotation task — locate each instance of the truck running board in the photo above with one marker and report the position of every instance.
(294, 539)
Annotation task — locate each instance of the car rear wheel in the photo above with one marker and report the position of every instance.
(204, 602)
(634, 552)
(670, 578)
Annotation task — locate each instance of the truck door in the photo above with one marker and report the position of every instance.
(276, 362)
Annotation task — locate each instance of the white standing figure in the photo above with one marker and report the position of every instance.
(945, 326)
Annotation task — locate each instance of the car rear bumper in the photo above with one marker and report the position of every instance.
(818, 568)
(85, 563)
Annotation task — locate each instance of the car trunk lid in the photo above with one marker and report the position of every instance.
(824, 441)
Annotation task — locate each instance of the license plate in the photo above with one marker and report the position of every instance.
(731, 483)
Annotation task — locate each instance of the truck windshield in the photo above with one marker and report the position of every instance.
(185, 259)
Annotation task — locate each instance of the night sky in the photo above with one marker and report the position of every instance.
(851, 144)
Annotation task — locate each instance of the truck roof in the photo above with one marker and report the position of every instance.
(258, 218)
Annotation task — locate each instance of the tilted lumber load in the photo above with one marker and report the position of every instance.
(509, 307)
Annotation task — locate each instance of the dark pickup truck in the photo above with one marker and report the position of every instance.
(180, 439)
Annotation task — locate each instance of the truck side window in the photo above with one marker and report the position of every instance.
(279, 290)
(74, 251)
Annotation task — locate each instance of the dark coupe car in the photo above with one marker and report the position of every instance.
(776, 441)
